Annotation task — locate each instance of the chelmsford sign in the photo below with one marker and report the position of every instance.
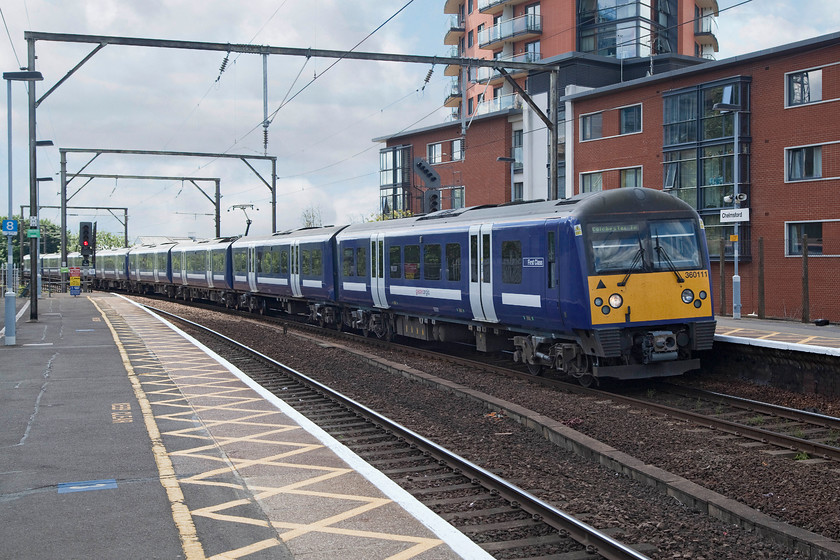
(735, 215)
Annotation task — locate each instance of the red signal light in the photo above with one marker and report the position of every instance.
(85, 243)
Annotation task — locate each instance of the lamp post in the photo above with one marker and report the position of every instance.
(511, 161)
(10, 301)
(736, 199)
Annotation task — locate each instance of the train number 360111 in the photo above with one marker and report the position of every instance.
(697, 274)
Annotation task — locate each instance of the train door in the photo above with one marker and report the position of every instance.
(208, 268)
(377, 270)
(481, 273)
(252, 268)
(294, 269)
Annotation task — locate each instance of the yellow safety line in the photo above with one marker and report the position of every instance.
(180, 513)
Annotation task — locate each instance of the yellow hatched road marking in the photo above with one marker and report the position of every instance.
(180, 513)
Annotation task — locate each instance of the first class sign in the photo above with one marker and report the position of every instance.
(735, 215)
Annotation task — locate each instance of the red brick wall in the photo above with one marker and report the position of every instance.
(485, 180)
(772, 202)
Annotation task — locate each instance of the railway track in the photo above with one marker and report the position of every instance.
(806, 434)
(503, 519)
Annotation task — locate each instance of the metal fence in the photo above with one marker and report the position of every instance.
(15, 279)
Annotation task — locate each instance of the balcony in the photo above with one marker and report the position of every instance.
(708, 5)
(455, 96)
(494, 77)
(495, 7)
(451, 6)
(704, 32)
(521, 28)
(498, 104)
(453, 69)
(456, 31)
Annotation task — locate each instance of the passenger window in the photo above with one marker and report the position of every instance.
(453, 262)
(412, 262)
(306, 263)
(347, 267)
(317, 263)
(431, 262)
(512, 262)
(485, 258)
(284, 261)
(361, 262)
(395, 262)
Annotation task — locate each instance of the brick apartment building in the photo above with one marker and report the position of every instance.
(592, 42)
(664, 131)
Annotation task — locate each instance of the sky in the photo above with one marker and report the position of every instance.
(138, 98)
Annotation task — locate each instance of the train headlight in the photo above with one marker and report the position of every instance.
(687, 296)
(616, 301)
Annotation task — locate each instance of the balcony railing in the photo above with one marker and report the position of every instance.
(487, 74)
(529, 24)
(455, 32)
(498, 104)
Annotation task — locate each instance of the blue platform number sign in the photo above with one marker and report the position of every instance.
(10, 227)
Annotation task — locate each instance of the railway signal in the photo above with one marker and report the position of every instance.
(86, 241)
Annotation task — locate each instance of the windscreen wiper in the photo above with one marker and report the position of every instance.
(638, 257)
(664, 255)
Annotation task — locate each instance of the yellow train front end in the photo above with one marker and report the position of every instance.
(649, 293)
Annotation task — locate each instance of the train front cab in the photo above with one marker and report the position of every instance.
(649, 304)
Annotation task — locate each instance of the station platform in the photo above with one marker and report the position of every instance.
(122, 437)
(780, 334)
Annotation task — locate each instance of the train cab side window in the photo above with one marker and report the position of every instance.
(412, 262)
(512, 262)
(361, 262)
(395, 262)
(347, 263)
(552, 260)
(431, 262)
(453, 262)
(284, 261)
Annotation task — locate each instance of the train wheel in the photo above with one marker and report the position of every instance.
(535, 369)
(321, 321)
(586, 380)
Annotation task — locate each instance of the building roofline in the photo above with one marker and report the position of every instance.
(806, 44)
(497, 114)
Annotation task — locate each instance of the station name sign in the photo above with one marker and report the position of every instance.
(735, 215)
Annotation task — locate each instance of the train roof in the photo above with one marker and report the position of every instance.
(582, 207)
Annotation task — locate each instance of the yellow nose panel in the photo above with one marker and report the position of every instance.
(649, 296)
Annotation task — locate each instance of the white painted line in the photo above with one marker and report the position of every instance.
(17, 318)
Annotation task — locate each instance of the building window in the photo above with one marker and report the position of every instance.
(458, 149)
(631, 177)
(804, 87)
(457, 197)
(517, 191)
(518, 136)
(795, 236)
(470, 106)
(804, 163)
(434, 152)
(394, 179)
(470, 6)
(591, 182)
(532, 51)
(590, 126)
(631, 119)
(680, 118)
(470, 38)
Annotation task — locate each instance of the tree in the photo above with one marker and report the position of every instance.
(311, 216)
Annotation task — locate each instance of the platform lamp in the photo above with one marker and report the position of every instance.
(737, 198)
(10, 301)
(512, 162)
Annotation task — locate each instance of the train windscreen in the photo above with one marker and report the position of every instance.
(638, 247)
